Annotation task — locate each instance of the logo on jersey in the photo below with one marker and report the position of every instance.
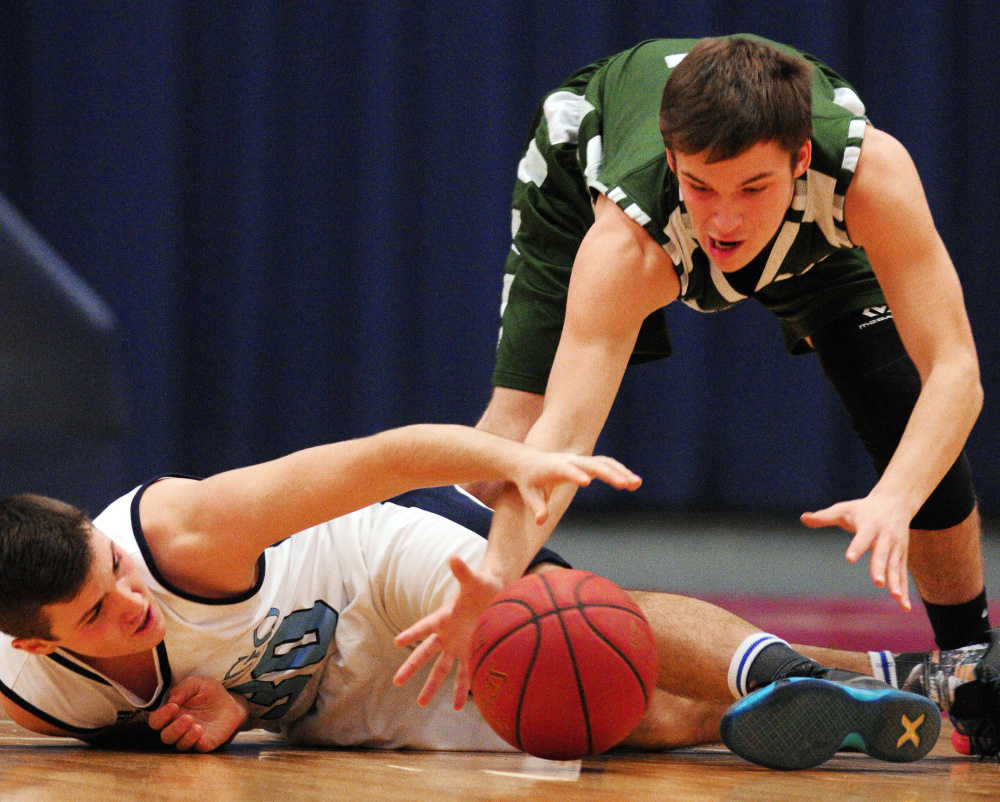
(875, 314)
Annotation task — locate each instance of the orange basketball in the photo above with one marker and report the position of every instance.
(564, 664)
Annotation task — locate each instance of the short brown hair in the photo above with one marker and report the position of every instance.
(45, 558)
(729, 94)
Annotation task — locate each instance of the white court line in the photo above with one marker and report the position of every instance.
(525, 776)
(402, 768)
(538, 769)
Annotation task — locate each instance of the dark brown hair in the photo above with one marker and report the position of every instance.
(729, 94)
(45, 557)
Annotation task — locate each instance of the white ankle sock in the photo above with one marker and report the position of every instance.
(743, 658)
(884, 667)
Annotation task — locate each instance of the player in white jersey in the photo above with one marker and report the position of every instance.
(270, 596)
(265, 579)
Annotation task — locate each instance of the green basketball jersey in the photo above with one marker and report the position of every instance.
(599, 133)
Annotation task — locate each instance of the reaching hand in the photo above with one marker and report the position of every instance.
(448, 631)
(877, 526)
(539, 475)
(199, 713)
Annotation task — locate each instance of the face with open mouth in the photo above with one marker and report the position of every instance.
(113, 614)
(737, 205)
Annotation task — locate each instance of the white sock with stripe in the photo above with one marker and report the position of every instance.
(746, 653)
(884, 667)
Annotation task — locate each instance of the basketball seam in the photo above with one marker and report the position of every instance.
(596, 631)
(576, 670)
(536, 619)
(524, 687)
(625, 659)
(533, 620)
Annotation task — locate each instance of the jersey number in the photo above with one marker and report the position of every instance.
(301, 640)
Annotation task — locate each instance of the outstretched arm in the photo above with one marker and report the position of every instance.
(887, 213)
(620, 276)
(206, 536)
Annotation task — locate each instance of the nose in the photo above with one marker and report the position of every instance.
(131, 603)
(726, 219)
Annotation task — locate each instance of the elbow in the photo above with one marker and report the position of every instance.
(971, 381)
(978, 394)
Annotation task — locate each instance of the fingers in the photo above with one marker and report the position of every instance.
(618, 476)
(606, 469)
(859, 544)
(460, 569)
(899, 585)
(536, 502)
(463, 683)
(891, 558)
(442, 666)
(424, 628)
(183, 733)
(424, 652)
(837, 515)
(162, 716)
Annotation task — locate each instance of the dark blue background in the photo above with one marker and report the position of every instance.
(299, 213)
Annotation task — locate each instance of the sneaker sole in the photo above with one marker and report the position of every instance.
(800, 722)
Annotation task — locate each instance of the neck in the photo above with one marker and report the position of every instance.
(137, 672)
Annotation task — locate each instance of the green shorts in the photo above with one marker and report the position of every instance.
(549, 223)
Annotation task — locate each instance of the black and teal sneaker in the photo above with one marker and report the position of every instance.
(800, 722)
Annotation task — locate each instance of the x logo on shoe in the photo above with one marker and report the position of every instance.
(910, 733)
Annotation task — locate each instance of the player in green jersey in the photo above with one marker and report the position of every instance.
(710, 171)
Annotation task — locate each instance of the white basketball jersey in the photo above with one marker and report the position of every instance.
(309, 646)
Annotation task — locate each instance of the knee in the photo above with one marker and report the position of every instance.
(511, 413)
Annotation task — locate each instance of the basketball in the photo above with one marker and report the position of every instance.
(563, 665)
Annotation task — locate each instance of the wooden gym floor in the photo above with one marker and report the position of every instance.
(260, 767)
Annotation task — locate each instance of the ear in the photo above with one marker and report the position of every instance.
(803, 159)
(671, 161)
(34, 645)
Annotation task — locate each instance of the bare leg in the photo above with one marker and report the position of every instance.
(859, 662)
(510, 414)
(696, 642)
(947, 564)
(673, 722)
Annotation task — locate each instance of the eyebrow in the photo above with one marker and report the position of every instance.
(750, 180)
(100, 601)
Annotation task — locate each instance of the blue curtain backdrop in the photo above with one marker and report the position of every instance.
(299, 212)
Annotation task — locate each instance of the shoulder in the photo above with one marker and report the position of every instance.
(885, 183)
(183, 522)
(882, 155)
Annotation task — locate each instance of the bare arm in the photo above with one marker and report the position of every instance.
(620, 276)
(206, 536)
(887, 213)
